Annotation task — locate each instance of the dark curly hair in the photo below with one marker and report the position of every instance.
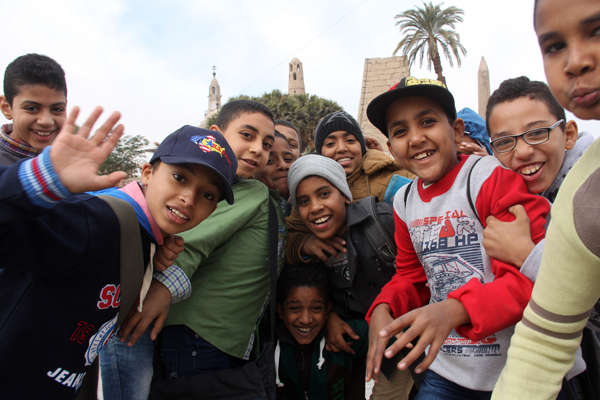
(33, 69)
(512, 89)
(303, 275)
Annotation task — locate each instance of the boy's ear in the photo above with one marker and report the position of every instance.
(347, 201)
(279, 310)
(147, 170)
(329, 306)
(389, 146)
(459, 130)
(571, 132)
(5, 107)
(215, 128)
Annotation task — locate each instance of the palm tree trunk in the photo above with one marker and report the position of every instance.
(437, 67)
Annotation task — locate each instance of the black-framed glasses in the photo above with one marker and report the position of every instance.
(532, 137)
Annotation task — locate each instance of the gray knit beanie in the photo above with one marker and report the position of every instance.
(317, 165)
(338, 121)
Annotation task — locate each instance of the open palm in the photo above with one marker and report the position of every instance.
(77, 157)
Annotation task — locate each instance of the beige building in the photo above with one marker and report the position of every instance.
(379, 75)
(296, 80)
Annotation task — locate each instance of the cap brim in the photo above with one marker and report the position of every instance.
(227, 192)
(377, 108)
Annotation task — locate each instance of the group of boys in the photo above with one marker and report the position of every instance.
(469, 233)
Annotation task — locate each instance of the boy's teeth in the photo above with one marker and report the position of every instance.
(177, 213)
(420, 156)
(322, 220)
(304, 330)
(343, 160)
(532, 169)
(42, 133)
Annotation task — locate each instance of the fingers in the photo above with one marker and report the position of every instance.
(519, 212)
(85, 129)
(350, 332)
(158, 325)
(338, 243)
(129, 324)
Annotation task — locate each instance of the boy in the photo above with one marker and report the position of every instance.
(517, 111)
(275, 174)
(68, 283)
(476, 139)
(368, 172)
(305, 369)
(321, 196)
(543, 347)
(292, 134)
(226, 259)
(35, 99)
(474, 300)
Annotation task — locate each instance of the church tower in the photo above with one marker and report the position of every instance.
(214, 99)
(214, 95)
(296, 83)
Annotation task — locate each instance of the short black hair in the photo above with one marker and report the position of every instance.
(282, 136)
(512, 89)
(283, 122)
(33, 69)
(303, 275)
(232, 110)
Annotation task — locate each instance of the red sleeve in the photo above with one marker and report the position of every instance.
(406, 291)
(499, 304)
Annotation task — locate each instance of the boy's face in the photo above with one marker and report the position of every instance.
(538, 164)
(343, 147)
(421, 139)
(304, 313)
(292, 138)
(180, 196)
(275, 173)
(322, 207)
(38, 114)
(569, 37)
(250, 136)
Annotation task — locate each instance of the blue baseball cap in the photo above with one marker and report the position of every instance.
(475, 128)
(192, 145)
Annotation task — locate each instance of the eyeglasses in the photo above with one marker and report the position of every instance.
(532, 137)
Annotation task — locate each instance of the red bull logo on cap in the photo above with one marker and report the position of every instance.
(209, 143)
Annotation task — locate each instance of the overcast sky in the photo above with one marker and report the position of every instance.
(152, 60)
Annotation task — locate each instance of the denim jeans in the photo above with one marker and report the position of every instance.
(435, 387)
(126, 372)
(185, 353)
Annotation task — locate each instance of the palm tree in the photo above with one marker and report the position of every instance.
(427, 30)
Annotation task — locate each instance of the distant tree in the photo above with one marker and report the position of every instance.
(127, 156)
(429, 30)
(304, 110)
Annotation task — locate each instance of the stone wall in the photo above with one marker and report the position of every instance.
(379, 74)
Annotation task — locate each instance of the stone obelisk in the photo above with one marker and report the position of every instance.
(483, 85)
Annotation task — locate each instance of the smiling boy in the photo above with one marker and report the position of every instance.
(281, 157)
(305, 368)
(60, 301)
(543, 347)
(226, 259)
(473, 300)
(35, 99)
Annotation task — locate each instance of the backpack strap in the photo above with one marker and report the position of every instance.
(378, 236)
(406, 192)
(469, 191)
(131, 257)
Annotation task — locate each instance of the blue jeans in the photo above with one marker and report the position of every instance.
(185, 353)
(126, 372)
(435, 387)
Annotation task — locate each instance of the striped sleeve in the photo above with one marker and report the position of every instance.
(176, 281)
(40, 181)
